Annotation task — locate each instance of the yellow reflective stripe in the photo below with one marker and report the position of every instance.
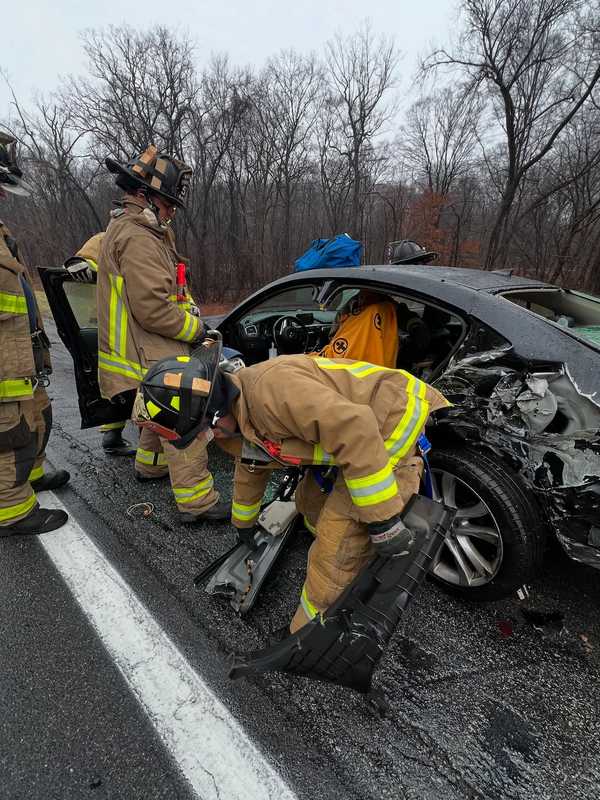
(360, 369)
(321, 456)
(20, 509)
(12, 303)
(117, 321)
(111, 362)
(369, 490)
(243, 512)
(191, 493)
(152, 408)
(112, 426)
(189, 330)
(415, 415)
(16, 388)
(309, 609)
(175, 402)
(36, 472)
(185, 306)
(310, 528)
(150, 457)
(93, 265)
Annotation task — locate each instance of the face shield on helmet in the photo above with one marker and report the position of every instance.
(154, 172)
(11, 176)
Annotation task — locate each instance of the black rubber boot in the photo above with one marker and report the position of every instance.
(219, 511)
(41, 520)
(114, 444)
(51, 480)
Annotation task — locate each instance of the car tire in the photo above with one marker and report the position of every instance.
(498, 539)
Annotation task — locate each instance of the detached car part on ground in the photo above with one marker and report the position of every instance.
(518, 456)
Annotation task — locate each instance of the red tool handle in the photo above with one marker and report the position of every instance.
(181, 283)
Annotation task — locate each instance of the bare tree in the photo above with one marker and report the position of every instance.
(360, 71)
(537, 63)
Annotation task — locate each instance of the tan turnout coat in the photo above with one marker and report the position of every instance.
(17, 366)
(363, 418)
(139, 319)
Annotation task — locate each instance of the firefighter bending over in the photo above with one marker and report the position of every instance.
(301, 410)
(145, 314)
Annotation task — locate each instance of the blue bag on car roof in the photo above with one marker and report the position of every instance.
(341, 251)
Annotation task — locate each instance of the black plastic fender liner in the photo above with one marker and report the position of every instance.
(344, 644)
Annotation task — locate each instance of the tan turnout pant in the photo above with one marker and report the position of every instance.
(24, 430)
(342, 546)
(191, 480)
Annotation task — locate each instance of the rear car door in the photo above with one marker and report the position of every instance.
(73, 306)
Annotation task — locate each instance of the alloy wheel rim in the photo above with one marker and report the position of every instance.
(472, 553)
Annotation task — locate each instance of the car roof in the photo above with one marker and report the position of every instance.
(476, 279)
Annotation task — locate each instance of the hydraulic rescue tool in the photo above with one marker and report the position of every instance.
(344, 644)
(240, 573)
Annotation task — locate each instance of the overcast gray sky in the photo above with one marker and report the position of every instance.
(41, 37)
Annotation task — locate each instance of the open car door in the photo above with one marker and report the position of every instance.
(73, 306)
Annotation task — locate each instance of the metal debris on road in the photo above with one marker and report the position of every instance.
(146, 509)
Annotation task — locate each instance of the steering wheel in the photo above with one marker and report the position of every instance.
(289, 332)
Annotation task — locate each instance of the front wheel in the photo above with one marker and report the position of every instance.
(497, 540)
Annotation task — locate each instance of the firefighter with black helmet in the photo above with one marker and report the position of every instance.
(145, 314)
(300, 410)
(25, 410)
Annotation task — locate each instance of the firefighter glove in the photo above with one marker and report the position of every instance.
(81, 272)
(391, 538)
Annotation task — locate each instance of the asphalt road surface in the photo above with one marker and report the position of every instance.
(483, 703)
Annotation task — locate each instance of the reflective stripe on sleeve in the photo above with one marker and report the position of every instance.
(187, 494)
(369, 490)
(10, 513)
(320, 456)
(310, 528)
(36, 473)
(411, 424)
(150, 457)
(12, 303)
(189, 330)
(245, 513)
(93, 265)
(16, 389)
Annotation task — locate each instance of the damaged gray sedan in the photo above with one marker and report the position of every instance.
(518, 454)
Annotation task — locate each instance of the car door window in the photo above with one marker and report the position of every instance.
(82, 299)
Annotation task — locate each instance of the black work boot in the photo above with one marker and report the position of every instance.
(219, 511)
(51, 480)
(114, 444)
(41, 520)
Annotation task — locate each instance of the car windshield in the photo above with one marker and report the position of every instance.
(578, 312)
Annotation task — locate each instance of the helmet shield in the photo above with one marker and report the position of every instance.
(11, 176)
(156, 172)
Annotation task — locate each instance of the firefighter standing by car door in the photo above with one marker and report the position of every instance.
(141, 318)
(83, 268)
(298, 410)
(25, 410)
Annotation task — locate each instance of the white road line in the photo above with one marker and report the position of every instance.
(212, 750)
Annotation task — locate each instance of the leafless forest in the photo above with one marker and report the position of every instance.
(489, 155)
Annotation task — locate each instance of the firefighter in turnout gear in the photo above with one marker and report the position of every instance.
(145, 314)
(301, 410)
(83, 268)
(25, 411)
